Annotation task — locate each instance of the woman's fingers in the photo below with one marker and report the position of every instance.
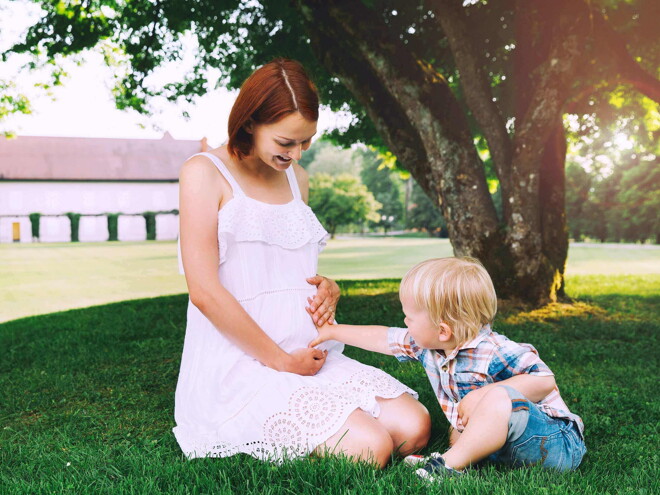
(322, 305)
(318, 300)
(319, 354)
(315, 280)
(320, 361)
(307, 361)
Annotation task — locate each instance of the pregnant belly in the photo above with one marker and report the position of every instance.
(283, 317)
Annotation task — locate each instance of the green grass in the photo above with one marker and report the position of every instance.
(87, 400)
(44, 278)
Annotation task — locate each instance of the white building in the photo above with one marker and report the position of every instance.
(90, 176)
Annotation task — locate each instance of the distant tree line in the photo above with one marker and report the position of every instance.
(361, 190)
(623, 206)
(613, 175)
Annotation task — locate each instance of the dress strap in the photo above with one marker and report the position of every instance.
(293, 182)
(236, 189)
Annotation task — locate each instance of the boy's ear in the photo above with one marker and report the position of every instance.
(444, 332)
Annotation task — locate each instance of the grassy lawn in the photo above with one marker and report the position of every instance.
(87, 399)
(44, 278)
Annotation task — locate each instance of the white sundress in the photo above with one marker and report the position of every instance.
(227, 402)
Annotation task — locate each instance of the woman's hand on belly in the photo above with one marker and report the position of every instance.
(322, 307)
(304, 361)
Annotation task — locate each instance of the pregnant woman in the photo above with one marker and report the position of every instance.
(249, 246)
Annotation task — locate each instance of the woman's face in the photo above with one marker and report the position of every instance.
(278, 144)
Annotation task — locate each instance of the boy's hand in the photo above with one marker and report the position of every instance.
(468, 403)
(325, 333)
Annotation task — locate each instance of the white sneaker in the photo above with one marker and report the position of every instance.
(436, 470)
(413, 460)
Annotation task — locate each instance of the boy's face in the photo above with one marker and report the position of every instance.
(421, 328)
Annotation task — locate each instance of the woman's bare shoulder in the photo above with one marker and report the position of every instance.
(197, 167)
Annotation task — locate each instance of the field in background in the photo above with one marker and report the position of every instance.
(44, 278)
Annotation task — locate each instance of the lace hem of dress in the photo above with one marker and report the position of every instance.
(291, 226)
(313, 415)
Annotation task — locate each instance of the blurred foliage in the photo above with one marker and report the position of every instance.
(424, 215)
(12, 101)
(113, 226)
(622, 206)
(74, 219)
(386, 186)
(341, 200)
(328, 158)
(613, 172)
(35, 224)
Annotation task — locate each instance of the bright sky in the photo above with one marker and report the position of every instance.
(84, 105)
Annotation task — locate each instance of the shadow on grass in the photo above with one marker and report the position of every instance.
(87, 401)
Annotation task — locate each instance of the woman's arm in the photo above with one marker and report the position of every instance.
(200, 194)
(368, 337)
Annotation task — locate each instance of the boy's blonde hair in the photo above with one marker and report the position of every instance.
(455, 291)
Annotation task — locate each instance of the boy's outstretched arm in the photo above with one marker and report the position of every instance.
(368, 337)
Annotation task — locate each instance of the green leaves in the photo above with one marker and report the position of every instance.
(341, 200)
(12, 101)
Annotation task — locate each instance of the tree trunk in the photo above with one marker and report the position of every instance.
(553, 210)
(414, 110)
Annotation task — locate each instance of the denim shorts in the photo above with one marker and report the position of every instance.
(535, 438)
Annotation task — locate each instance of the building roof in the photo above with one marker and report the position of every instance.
(72, 158)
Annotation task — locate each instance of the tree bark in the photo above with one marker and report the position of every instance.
(552, 189)
(549, 57)
(414, 110)
(476, 86)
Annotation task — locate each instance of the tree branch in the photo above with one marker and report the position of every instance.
(555, 76)
(610, 48)
(476, 86)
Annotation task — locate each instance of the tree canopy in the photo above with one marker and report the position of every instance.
(463, 93)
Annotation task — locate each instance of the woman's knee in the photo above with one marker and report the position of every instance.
(361, 438)
(371, 442)
(382, 447)
(407, 421)
(417, 429)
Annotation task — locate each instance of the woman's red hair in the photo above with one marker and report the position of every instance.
(273, 91)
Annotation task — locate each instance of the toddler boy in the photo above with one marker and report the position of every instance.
(501, 400)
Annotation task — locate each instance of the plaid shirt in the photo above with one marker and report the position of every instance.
(488, 358)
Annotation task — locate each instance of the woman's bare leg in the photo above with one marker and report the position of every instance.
(361, 438)
(407, 421)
